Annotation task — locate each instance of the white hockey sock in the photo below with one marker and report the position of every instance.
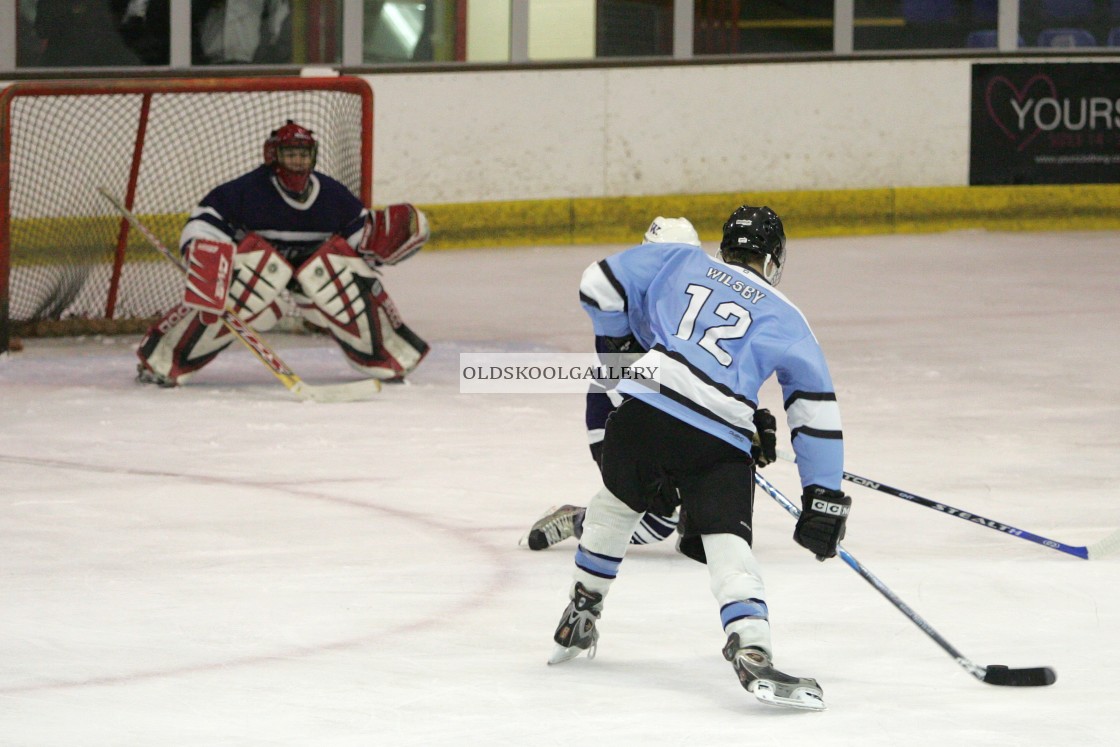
(737, 586)
(607, 527)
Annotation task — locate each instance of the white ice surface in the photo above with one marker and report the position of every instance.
(221, 565)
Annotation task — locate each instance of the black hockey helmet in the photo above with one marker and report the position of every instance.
(751, 233)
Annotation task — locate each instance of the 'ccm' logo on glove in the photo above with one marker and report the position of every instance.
(820, 527)
(827, 507)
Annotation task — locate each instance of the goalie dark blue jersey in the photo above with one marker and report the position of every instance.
(255, 202)
(716, 332)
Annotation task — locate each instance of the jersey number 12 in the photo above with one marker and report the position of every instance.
(698, 296)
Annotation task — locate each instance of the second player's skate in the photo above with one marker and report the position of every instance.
(555, 526)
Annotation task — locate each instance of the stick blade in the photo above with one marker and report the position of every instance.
(997, 674)
(1107, 546)
(354, 391)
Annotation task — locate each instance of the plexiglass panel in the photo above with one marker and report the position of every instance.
(925, 24)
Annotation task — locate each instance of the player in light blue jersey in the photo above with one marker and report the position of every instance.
(559, 523)
(285, 226)
(715, 329)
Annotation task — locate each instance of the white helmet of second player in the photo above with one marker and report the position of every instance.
(671, 231)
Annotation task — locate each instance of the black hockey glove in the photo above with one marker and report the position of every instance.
(821, 524)
(625, 345)
(765, 442)
(618, 351)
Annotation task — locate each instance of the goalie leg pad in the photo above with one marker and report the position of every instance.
(312, 319)
(358, 312)
(187, 338)
(260, 274)
(180, 343)
(209, 268)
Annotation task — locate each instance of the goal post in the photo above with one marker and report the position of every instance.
(68, 262)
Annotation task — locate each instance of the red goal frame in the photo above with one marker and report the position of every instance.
(147, 89)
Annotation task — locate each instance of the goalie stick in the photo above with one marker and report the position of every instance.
(1106, 546)
(993, 674)
(350, 392)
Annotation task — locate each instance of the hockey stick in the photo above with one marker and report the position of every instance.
(349, 392)
(993, 674)
(1108, 545)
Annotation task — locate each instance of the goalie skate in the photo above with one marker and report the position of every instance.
(770, 686)
(145, 375)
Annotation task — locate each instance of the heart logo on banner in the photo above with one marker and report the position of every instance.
(1000, 90)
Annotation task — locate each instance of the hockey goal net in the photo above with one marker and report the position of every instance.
(68, 261)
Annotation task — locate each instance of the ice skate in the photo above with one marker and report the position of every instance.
(555, 526)
(145, 375)
(769, 685)
(576, 632)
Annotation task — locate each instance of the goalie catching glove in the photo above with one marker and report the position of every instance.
(821, 524)
(394, 234)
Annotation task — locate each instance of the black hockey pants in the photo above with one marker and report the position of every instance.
(655, 462)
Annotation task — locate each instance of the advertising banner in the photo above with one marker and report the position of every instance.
(1045, 123)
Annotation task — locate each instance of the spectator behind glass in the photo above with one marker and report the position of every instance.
(81, 33)
(146, 28)
(241, 31)
(28, 47)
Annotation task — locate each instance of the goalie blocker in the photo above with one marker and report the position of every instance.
(336, 289)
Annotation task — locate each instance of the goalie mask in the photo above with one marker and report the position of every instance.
(291, 152)
(755, 233)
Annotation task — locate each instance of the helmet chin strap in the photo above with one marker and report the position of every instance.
(771, 270)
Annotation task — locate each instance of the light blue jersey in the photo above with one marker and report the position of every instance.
(716, 332)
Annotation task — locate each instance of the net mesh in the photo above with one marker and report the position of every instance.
(63, 236)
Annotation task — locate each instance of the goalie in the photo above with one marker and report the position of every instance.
(283, 226)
